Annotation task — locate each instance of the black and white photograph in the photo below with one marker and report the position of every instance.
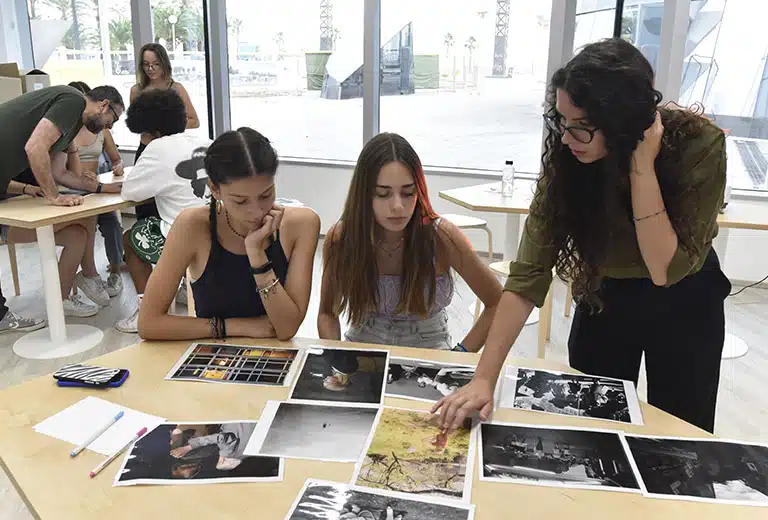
(196, 453)
(223, 363)
(579, 395)
(312, 431)
(341, 375)
(706, 470)
(423, 380)
(321, 500)
(555, 456)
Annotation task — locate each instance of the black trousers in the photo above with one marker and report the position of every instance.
(680, 329)
(148, 209)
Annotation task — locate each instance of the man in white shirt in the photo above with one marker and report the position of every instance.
(171, 171)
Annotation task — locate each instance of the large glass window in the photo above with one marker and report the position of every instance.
(178, 26)
(85, 40)
(464, 80)
(726, 70)
(295, 74)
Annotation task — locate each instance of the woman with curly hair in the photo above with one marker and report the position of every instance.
(626, 209)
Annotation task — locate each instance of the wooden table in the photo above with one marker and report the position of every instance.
(740, 214)
(56, 487)
(35, 213)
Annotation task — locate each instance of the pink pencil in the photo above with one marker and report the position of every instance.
(112, 457)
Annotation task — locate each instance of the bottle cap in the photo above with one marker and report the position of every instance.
(509, 162)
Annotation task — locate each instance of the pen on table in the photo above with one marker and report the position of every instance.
(112, 457)
(96, 435)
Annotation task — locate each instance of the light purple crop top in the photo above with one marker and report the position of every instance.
(389, 296)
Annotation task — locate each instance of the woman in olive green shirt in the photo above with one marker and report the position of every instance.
(626, 209)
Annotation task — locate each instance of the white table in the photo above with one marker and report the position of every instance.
(60, 339)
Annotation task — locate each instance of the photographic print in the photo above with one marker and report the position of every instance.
(312, 431)
(341, 375)
(553, 456)
(219, 363)
(331, 500)
(707, 470)
(578, 395)
(423, 380)
(196, 453)
(408, 453)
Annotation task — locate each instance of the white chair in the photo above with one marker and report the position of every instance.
(467, 222)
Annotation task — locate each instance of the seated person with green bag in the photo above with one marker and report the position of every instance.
(167, 170)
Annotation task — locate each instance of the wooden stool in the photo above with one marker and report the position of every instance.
(14, 266)
(466, 222)
(545, 315)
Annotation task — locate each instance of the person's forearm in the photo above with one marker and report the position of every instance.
(478, 334)
(77, 182)
(169, 327)
(508, 321)
(40, 163)
(655, 235)
(328, 326)
(283, 312)
(17, 188)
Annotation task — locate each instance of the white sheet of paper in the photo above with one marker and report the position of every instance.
(81, 420)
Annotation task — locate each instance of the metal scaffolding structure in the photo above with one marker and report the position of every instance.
(326, 25)
(500, 39)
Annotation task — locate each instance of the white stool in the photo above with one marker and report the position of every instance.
(466, 222)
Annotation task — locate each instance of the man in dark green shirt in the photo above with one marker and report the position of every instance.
(37, 131)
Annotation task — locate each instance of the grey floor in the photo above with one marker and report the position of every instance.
(742, 409)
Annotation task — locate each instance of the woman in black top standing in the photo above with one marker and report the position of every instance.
(249, 260)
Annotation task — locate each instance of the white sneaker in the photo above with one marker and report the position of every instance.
(181, 293)
(130, 325)
(93, 288)
(75, 307)
(114, 284)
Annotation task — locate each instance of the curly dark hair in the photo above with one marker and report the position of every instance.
(157, 111)
(578, 203)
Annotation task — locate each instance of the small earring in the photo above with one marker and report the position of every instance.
(219, 206)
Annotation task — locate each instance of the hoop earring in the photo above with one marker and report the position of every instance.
(219, 206)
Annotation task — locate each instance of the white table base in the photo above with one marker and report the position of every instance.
(59, 339)
(39, 344)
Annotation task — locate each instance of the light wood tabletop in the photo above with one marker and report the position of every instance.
(56, 487)
(740, 214)
(34, 212)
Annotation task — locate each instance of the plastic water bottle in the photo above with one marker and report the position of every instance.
(508, 178)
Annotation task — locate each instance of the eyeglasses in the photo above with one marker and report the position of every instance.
(114, 113)
(582, 134)
(151, 65)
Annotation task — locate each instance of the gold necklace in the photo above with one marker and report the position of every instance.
(390, 252)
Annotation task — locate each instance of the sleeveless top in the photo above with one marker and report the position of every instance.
(227, 288)
(93, 151)
(389, 297)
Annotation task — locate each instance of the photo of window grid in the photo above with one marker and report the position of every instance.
(236, 364)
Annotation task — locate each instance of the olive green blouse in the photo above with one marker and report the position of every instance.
(703, 163)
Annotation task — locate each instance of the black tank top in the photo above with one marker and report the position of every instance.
(227, 289)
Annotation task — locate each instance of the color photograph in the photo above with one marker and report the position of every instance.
(220, 363)
(705, 470)
(409, 454)
(577, 395)
(320, 500)
(341, 375)
(555, 456)
(196, 453)
(423, 380)
(312, 431)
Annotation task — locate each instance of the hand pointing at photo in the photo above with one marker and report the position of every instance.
(454, 409)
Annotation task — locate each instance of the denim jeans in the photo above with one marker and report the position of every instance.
(414, 332)
(112, 232)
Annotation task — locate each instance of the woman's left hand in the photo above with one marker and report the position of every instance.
(257, 240)
(647, 150)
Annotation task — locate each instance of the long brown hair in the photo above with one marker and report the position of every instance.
(351, 269)
(162, 57)
(579, 203)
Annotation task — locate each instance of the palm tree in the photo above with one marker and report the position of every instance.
(471, 45)
(32, 9)
(449, 39)
(236, 25)
(279, 40)
(120, 33)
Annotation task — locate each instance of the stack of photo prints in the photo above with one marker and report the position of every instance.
(405, 466)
